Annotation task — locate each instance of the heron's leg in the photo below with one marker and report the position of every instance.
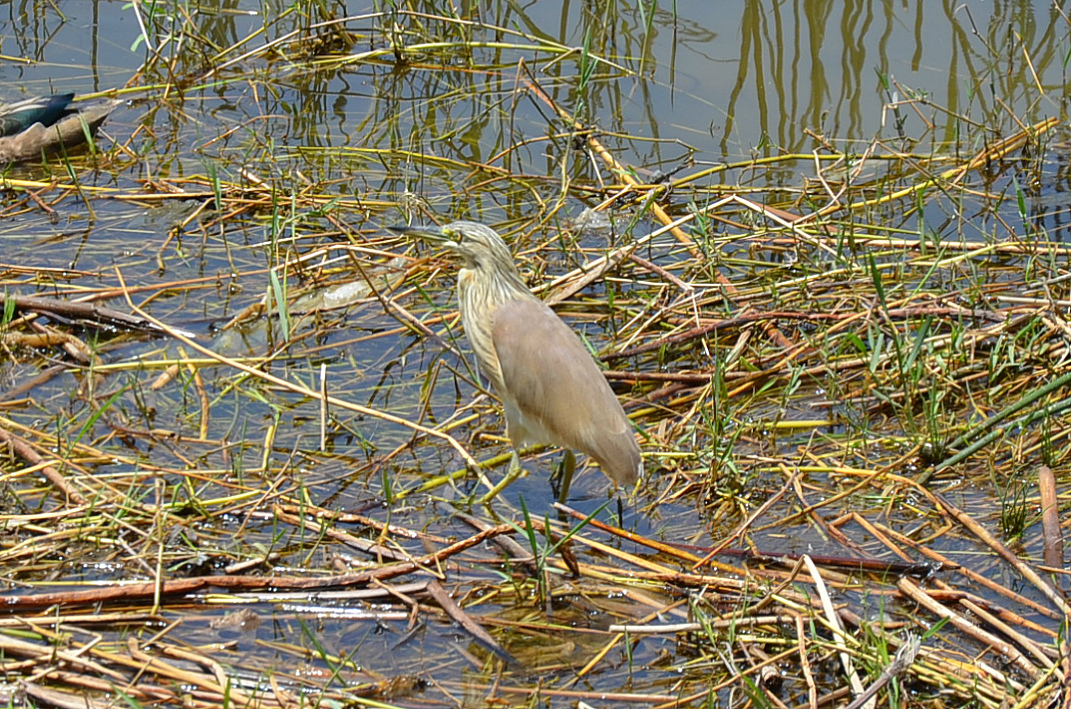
(568, 468)
(515, 471)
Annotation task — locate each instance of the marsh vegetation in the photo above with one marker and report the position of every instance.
(822, 255)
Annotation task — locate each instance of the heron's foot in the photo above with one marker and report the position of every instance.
(515, 472)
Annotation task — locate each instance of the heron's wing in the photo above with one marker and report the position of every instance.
(552, 381)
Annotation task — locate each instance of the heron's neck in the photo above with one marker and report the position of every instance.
(478, 299)
(493, 289)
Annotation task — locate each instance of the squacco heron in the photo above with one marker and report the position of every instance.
(551, 389)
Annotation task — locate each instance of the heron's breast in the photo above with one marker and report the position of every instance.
(478, 318)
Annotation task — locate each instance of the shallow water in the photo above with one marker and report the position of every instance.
(324, 139)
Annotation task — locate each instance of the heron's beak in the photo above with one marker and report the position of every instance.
(430, 233)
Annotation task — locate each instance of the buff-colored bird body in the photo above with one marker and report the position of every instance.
(552, 391)
(556, 392)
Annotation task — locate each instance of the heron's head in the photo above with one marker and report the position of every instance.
(482, 249)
